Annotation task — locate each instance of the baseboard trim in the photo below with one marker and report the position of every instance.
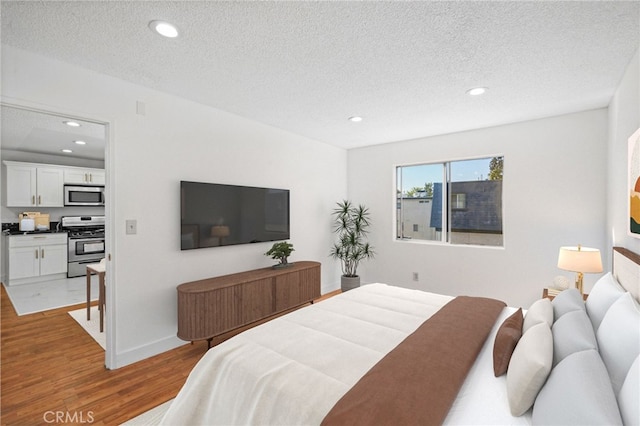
(147, 351)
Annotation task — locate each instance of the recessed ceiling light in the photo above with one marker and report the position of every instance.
(72, 123)
(67, 151)
(80, 142)
(355, 119)
(476, 91)
(164, 28)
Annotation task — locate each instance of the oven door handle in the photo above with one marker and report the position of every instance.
(87, 262)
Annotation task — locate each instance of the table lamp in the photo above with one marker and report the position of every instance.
(580, 259)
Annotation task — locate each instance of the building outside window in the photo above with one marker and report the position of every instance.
(456, 202)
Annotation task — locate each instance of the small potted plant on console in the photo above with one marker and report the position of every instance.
(280, 251)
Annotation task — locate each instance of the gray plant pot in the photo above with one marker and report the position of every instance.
(349, 283)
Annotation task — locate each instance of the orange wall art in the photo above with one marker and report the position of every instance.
(634, 184)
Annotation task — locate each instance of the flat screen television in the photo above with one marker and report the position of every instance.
(214, 215)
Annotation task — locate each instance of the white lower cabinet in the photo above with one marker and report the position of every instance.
(34, 256)
(23, 262)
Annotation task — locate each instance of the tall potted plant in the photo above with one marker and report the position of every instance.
(351, 226)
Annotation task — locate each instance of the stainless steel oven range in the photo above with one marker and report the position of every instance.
(85, 242)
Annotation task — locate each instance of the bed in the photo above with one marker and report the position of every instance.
(351, 359)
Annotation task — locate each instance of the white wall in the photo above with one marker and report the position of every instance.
(624, 120)
(149, 155)
(554, 194)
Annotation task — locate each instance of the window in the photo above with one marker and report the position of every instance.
(457, 202)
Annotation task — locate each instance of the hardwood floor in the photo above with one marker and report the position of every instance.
(51, 367)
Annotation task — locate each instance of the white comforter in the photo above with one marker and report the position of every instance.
(293, 369)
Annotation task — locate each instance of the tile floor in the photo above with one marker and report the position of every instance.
(37, 297)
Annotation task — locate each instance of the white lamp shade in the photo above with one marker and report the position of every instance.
(580, 259)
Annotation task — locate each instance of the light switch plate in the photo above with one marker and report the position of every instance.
(132, 226)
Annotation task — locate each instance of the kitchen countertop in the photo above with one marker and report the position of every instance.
(14, 232)
(13, 229)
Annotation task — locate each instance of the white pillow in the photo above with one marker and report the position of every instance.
(572, 333)
(567, 301)
(577, 392)
(628, 396)
(540, 311)
(604, 293)
(619, 339)
(529, 367)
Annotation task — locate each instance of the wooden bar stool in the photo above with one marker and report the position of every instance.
(100, 270)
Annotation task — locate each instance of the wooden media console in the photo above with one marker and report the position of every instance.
(213, 306)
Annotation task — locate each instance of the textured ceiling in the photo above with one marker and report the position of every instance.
(308, 66)
(29, 131)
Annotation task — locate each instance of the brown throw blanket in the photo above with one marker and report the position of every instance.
(417, 382)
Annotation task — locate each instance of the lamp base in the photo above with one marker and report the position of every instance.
(579, 282)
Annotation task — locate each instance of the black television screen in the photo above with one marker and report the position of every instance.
(213, 215)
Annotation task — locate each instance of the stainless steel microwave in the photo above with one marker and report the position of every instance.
(76, 195)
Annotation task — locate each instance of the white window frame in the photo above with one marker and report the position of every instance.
(446, 212)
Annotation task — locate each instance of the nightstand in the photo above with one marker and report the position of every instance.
(545, 293)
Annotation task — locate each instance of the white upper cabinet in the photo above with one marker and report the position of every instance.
(42, 185)
(50, 187)
(21, 185)
(84, 176)
(30, 185)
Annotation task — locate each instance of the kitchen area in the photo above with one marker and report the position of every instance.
(52, 208)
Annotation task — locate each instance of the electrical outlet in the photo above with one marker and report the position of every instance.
(415, 276)
(132, 226)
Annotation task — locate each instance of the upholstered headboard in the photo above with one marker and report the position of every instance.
(626, 269)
